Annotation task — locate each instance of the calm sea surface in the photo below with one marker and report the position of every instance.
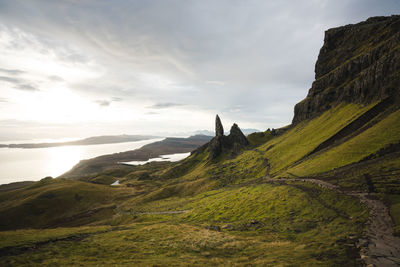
(18, 164)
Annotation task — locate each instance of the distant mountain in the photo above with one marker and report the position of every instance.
(244, 131)
(95, 140)
(204, 132)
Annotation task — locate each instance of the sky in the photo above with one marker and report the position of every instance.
(78, 68)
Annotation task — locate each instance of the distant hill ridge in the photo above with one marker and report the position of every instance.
(95, 140)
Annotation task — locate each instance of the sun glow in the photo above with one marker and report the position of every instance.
(58, 105)
(62, 158)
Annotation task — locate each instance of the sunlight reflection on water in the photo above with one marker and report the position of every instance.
(169, 157)
(18, 164)
(62, 159)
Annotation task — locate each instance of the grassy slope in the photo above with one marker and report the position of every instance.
(368, 142)
(57, 202)
(286, 225)
(281, 151)
(307, 135)
(294, 224)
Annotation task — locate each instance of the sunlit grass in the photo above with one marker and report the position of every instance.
(380, 135)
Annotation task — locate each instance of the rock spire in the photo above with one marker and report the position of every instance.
(219, 129)
(231, 145)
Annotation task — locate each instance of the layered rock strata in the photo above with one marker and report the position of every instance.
(358, 63)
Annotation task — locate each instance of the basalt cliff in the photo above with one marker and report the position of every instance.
(358, 63)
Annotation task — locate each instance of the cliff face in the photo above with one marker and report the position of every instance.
(358, 63)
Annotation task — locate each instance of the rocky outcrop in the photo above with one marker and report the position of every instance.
(233, 143)
(237, 137)
(216, 145)
(358, 63)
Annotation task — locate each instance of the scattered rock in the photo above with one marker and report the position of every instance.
(228, 227)
(351, 236)
(213, 228)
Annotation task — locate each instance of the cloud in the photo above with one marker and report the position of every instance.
(249, 61)
(12, 72)
(19, 83)
(55, 78)
(10, 79)
(106, 103)
(103, 103)
(3, 100)
(152, 113)
(26, 87)
(165, 105)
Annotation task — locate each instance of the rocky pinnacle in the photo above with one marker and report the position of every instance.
(219, 129)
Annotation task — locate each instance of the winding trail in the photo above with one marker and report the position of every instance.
(379, 247)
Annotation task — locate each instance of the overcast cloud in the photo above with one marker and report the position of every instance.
(161, 66)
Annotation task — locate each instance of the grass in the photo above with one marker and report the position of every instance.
(368, 142)
(167, 245)
(292, 229)
(275, 224)
(57, 202)
(306, 136)
(29, 237)
(259, 138)
(267, 202)
(281, 151)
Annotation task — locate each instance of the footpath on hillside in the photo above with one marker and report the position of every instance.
(379, 247)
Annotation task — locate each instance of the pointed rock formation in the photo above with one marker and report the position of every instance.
(233, 143)
(217, 142)
(219, 129)
(237, 136)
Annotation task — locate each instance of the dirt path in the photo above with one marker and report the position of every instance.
(379, 247)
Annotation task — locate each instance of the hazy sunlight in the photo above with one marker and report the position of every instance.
(62, 158)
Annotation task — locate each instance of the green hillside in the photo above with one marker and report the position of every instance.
(320, 192)
(205, 211)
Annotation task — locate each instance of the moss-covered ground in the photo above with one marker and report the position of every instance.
(268, 225)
